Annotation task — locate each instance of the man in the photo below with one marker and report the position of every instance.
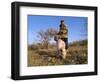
(63, 32)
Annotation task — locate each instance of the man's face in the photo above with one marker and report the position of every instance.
(62, 22)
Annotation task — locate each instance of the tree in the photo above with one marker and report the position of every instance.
(46, 36)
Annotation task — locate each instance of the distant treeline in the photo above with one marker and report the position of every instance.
(53, 46)
(79, 43)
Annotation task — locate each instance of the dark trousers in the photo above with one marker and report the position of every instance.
(66, 41)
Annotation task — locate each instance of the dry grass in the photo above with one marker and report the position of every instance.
(77, 54)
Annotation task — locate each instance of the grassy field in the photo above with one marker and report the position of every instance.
(77, 54)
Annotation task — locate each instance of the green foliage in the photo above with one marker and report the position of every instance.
(79, 43)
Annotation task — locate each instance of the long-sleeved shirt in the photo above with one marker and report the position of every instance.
(63, 31)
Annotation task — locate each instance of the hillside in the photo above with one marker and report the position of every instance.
(77, 54)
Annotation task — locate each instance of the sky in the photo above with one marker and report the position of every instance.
(77, 26)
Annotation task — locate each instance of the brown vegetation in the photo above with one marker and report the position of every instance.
(40, 56)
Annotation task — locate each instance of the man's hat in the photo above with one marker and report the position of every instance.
(62, 21)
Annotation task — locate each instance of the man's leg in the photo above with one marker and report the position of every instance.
(66, 43)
